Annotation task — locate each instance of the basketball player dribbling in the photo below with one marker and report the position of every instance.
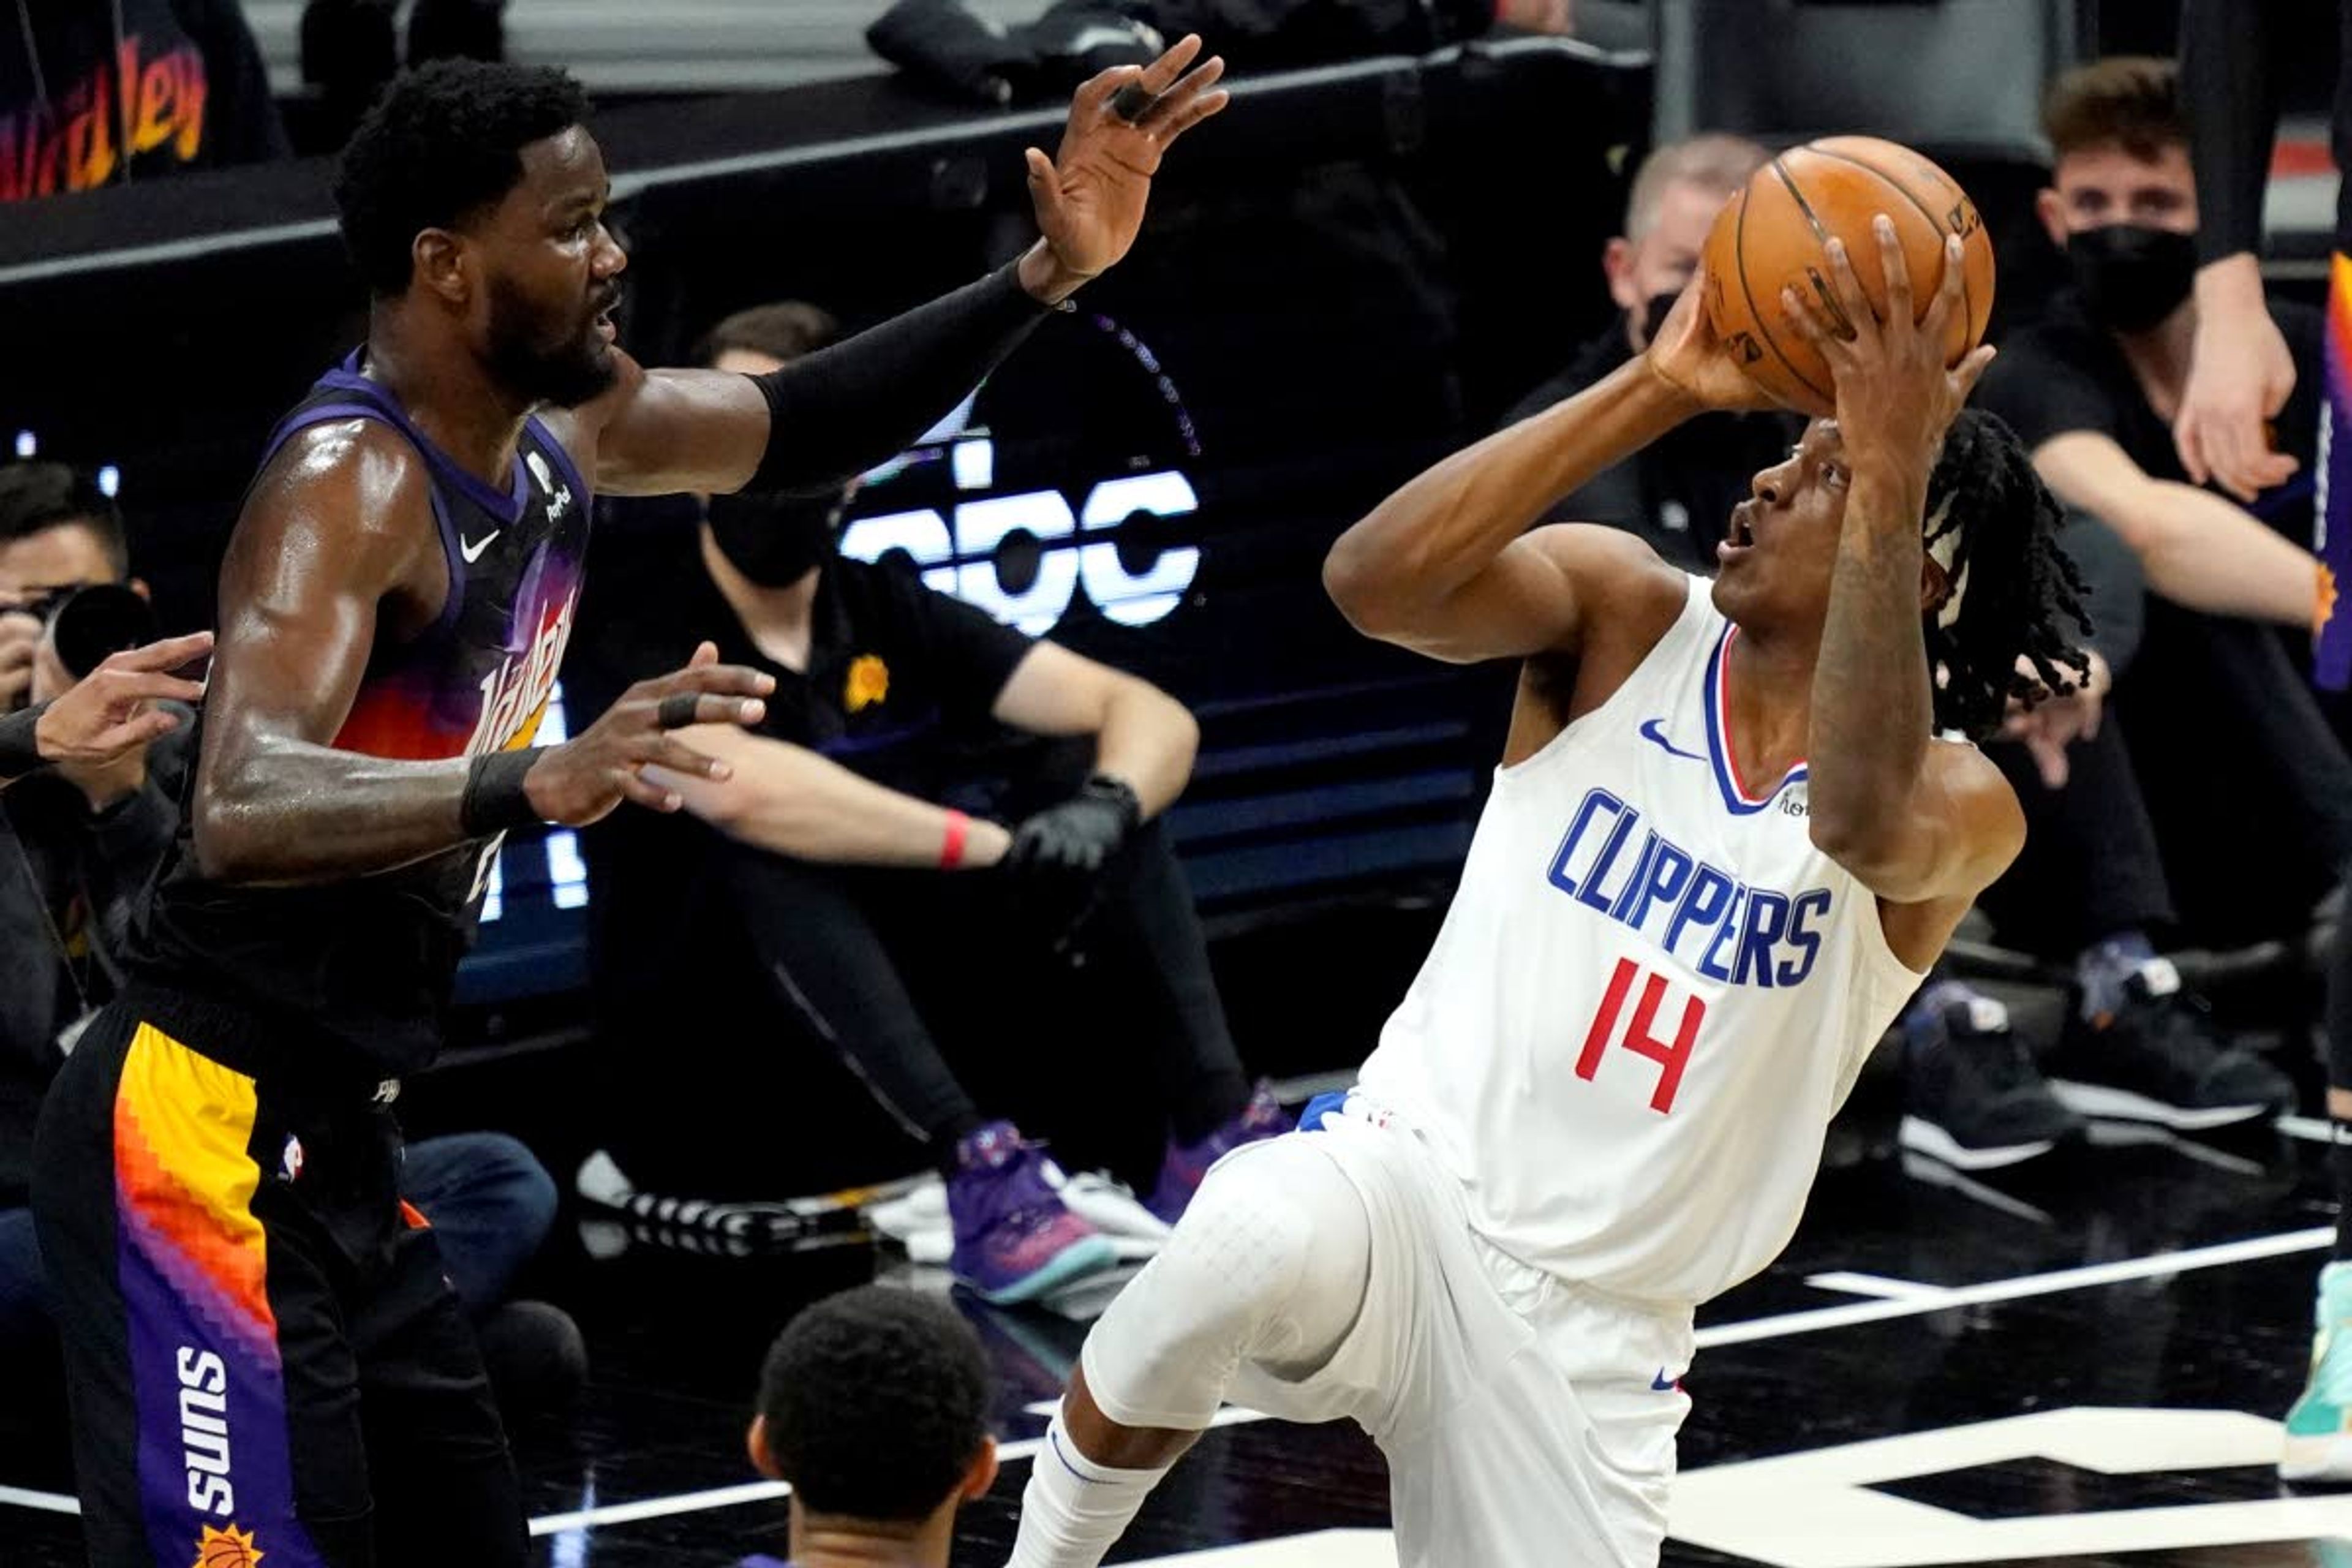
(265, 1362)
(1724, 845)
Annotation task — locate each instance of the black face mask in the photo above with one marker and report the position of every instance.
(2132, 277)
(1653, 315)
(774, 540)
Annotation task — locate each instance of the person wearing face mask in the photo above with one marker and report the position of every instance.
(854, 856)
(1676, 492)
(2247, 783)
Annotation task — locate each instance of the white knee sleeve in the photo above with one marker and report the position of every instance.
(1269, 1264)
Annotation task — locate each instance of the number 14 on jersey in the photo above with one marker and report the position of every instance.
(1640, 1035)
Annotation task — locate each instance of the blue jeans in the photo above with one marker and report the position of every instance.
(490, 1201)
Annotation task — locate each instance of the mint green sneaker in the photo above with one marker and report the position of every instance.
(2319, 1428)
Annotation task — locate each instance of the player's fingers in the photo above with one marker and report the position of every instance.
(651, 796)
(725, 679)
(669, 751)
(170, 653)
(1971, 370)
(1094, 94)
(1169, 105)
(1200, 107)
(684, 709)
(1950, 299)
(704, 653)
(1845, 297)
(1895, 268)
(1044, 187)
(1806, 319)
(1161, 73)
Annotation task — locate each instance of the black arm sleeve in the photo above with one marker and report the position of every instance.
(19, 753)
(838, 412)
(2229, 85)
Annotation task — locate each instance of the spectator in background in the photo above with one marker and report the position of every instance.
(77, 847)
(896, 928)
(874, 1408)
(108, 92)
(2250, 792)
(2232, 732)
(1678, 492)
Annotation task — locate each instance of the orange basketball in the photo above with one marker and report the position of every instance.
(1774, 233)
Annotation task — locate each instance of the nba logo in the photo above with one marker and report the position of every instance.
(289, 1163)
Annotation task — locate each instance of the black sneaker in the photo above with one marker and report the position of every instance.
(1973, 1098)
(2160, 1059)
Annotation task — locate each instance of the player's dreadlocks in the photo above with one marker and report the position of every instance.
(1987, 507)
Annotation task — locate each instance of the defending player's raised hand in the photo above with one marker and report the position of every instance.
(1090, 196)
(1895, 391)
(580, 781)
(1688, 355)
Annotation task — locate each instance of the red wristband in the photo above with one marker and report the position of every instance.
(951, 847)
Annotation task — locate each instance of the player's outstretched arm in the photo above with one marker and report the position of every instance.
(1447, 565)
(337, 529)
(831, 416)
(1916, 821)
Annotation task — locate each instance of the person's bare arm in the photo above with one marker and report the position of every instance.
(826, 419)
(2196, 548)
(1142, 736)
(791, 801)
(1913, 820)
(1447, 565)
(2232, 54)
(336, 529)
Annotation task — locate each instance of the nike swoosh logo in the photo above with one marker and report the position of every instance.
(1662, 1383)
(1651, 732)
(471, 549)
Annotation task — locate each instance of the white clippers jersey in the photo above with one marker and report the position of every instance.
(1649, 997)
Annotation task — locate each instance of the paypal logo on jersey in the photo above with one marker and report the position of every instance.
(1705, 916)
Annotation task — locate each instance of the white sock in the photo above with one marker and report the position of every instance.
(1075, 1509)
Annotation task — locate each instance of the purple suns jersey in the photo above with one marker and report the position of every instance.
(369, 960)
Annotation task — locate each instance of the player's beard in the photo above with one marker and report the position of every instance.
(564, 363)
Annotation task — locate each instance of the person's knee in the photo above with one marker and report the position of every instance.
(492, 1176)
(1268, 1231)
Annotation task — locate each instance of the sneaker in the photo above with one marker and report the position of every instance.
(1014, 1238)
(2159, 1060)
(1974, 1098)
(1187, 1164)
(2319, 1428)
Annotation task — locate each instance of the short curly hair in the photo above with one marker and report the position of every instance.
(877, 1403)
(444, 143)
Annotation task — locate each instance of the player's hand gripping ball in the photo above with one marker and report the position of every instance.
(1775, 232)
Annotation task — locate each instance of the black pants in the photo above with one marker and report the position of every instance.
(902, 972)
(261, 1346)
(2091, 867)
(2248, 783)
